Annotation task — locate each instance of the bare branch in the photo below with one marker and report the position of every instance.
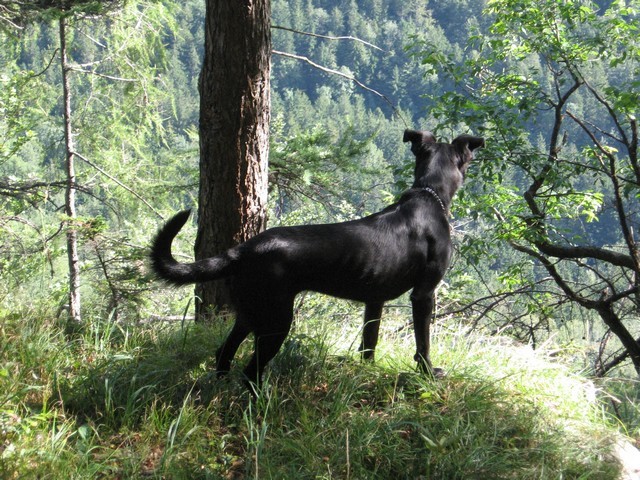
(496, 299)
(343, 75)
(611, 111)
(583, 124)
(43, 71)
(14, 189)
(617, 187)
(114, 179)
(575, 252)
(603, 367)
(329, 37)
(102, 75)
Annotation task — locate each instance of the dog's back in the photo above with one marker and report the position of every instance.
(376, 258)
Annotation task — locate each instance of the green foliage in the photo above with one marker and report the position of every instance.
(550, 88)
(314, 166)
(120, 113)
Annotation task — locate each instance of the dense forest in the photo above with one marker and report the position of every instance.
(544, 228)
(137, 123)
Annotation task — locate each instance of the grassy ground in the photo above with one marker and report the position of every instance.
(136, 402)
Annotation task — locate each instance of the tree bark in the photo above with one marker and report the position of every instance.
(70, 192)
(234, 133)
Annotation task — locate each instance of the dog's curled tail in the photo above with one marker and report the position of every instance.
(165, 266)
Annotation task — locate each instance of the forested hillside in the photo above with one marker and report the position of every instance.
(135, 105)
(544, 229)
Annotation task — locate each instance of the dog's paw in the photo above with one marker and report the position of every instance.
(430, 371)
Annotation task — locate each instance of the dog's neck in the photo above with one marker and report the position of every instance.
(443, 189)
(435, 195)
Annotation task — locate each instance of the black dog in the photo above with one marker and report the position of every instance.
(371, 260)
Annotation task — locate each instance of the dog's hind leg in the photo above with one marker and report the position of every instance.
(267, 345)
(228, 349)
(372, 314)
(269, 337)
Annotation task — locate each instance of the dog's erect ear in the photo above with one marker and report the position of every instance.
(418, 138)
(468, 141)
(465, 145)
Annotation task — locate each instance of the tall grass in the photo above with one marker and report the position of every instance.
(121, 401)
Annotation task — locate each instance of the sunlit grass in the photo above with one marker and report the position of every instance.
(120, 401)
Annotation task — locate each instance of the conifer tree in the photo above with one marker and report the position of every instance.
(234, 131)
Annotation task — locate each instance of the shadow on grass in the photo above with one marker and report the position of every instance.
(165, 365)
(623, 400)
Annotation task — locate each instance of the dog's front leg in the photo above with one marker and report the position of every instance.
(372, 314)
(422, 305)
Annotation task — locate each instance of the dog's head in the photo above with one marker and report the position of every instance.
(441, 166)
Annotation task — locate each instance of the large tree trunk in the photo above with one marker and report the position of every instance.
(234, 132)
(70, 196)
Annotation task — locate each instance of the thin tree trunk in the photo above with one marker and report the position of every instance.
(234, 133)
(630, 344)
(70, 194)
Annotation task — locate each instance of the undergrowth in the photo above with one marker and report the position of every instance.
(138, 401)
